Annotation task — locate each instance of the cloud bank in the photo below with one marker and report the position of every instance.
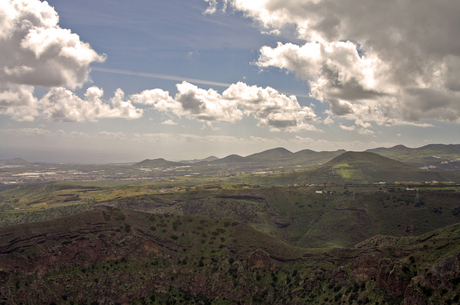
(36, 51)
(62, 105)
(387, 62)
(271, 108)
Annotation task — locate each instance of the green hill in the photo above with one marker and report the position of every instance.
(369, 167)
(228, 159)
(160, 162)
(319, 216)
(15, 161)
(270, 154)
(432, 154)
(355, 167)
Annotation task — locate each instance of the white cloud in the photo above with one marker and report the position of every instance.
(206, 105)
(26, 132)
(328, 121)
(386, 62)
(18, 102)
(40, 132)
(73, 134)
(349, 128)
(62, 105)
(366, 132)
(193, 102)
(169, 122)
(302, 140)
(112, 135)
(35, 51)
(271, 108)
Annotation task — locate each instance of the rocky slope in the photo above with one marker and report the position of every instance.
(115, 256)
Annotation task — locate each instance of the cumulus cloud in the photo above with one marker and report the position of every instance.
(169, 122)
(366, 132)
(191, 101)
(328, 121)
(62, 105)
(26, 132)
(267, 105)
(112, 135)
(302, 140)
(349, 128)
(271, 108)
(388, 62)
(35, 51)
(40, 132)
(18, 102)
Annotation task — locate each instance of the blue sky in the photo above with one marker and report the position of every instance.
(110, 81)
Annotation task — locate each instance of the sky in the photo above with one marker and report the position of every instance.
(122, 81)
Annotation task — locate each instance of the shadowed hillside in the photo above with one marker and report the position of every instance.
(115, 256)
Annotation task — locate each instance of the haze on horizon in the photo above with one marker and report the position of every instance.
(108, 81)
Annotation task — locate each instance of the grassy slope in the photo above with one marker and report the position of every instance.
(297, 215)
(420, 156)
(200, 234)
(352, 167)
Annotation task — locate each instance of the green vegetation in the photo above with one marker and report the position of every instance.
(78, 263)
(430, 154)
(333, 234)
(337, 216)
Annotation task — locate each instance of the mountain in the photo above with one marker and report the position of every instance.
(370, 167)
(354, 167)
(270, 154)
(434, 155)
(229, 159)
(160, 162)
(270, 160)
(116, 256)
(15, 161)
(208, 159)
(367, 167)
